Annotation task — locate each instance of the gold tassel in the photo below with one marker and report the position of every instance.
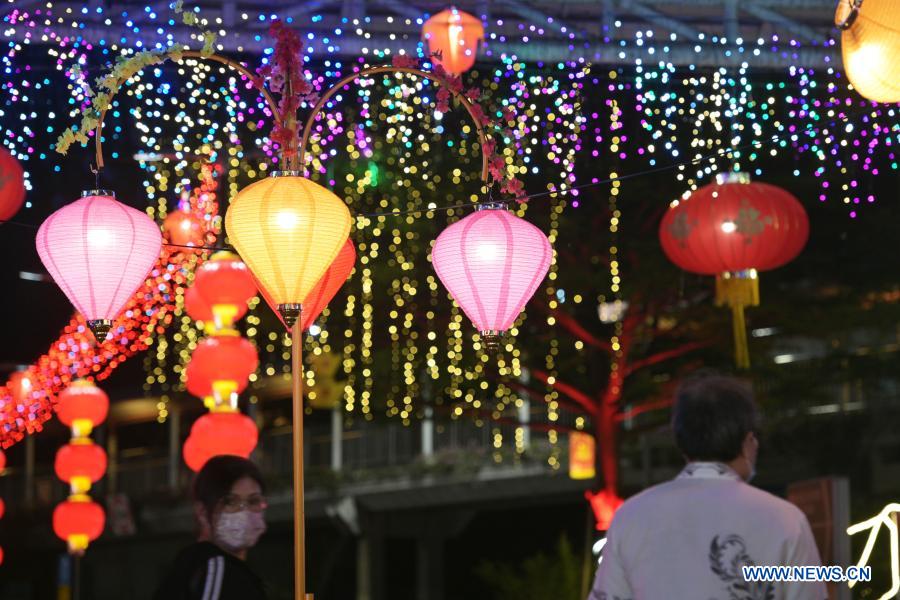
(737, 290)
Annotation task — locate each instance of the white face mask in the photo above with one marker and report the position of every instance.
(239, 531)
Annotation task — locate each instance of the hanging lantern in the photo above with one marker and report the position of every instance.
(225, 283)
(492, 262)
(582, 456)
(870, 44)
(197, 383)
(2, 508)
(326, 288)
(288, 230)
(183, 229)
(2, 460)
(99, 252)
(733, 229)
(20, 386)
(78, 521)
(82, 406)
(81, 464)
(219, 433)
(199, 309)
(12, 185)
(226, 361)
(454, 35)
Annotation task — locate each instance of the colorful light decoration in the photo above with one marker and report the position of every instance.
(733, 229)
(226, 285)
(80, 463)
(98, 251)
(326, 288)
(12, 185)
(492, 262)
(870, 44)
(453, 36)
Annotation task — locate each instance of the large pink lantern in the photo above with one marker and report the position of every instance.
(492, 262)
(99, 252)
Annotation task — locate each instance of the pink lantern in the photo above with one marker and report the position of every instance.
(492, 262)
(99, 252)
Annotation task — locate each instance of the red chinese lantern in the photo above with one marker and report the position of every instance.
(2, 460)
(226, 284)
(12, 185)
(733, 229)
(219, 433)
(78, 521)
(492, 262)
(183, 228)
(198, 385)
(82, 406)
(81, 464)
(325, 289)
(226, 361)
(454, 35)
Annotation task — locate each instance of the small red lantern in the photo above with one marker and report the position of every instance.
(732, 229)
(78, 521)
(200, 310)
(183, 229)
(454, 35)
(198, 385)
(81, 464)
(325, 289)
(82, 406)
(226, 361)
(226, 284)
(20, 386)
(12, 185)
(2, 508)
(219, 433)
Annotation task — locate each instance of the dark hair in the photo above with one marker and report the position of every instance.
(712, 416)
(214, 481)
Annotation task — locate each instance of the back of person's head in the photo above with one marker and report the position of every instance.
(215, 480)
(712, 416)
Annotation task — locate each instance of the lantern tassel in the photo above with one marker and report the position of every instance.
(738, 290)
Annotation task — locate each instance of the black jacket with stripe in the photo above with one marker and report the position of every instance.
(203, 571)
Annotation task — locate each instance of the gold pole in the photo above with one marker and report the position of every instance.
(299, 519)
(741, 350)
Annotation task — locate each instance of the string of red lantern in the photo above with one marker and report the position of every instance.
(79, 520)
(75, 355)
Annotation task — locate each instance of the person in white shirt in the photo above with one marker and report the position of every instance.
(688, 538)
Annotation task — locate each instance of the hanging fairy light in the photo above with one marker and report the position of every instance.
(99, 251)
(492, 262)
(733, 229)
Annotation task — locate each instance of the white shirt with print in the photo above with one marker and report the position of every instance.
(687, 539)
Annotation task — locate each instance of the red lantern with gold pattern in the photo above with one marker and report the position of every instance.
(733, 229)
(82, 406)
(454, 35)
(78, 521)
(226, 361)
(12, 185)
(225, 283)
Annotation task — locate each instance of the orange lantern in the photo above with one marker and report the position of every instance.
(226, 284)
(454, 35)
(183, 229)
(78, 521)
(82, 406)
(219, 433)
(226, 361)
(81, 464)
(582, 457)
(324, 290)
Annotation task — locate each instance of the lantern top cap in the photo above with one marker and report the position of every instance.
(492, 206)
(98, 192)
(732, 177)
(224, 255)
(293, 173)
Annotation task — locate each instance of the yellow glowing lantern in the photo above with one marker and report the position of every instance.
(870, 44)
(582, 452)
(288, 230)
(454, 35)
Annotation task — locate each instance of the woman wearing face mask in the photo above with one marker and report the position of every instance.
(229, 507)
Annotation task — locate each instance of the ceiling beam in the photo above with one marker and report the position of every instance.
(659, 19)
(770, 16)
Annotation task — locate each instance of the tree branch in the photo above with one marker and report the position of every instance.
(571, 324)
(520, 387)
(642, 408)
(585, 401)
(664, 356)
